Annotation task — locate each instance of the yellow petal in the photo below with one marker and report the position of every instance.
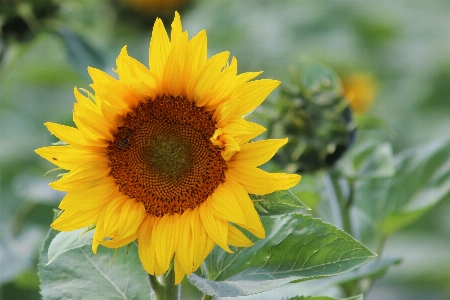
(176, 28)
(199, 237)
(112, 91)
(92, 126)
(135, 75)
(242, 130)
(67, 157)
(72, 220)
(86, 109)
(259, 182)
(200, 86)
(204, 251)
(237, 238)
(253, 222)
(224, 112)
(164, 238)
(216, 228)
(109, 224)
(230, 146)
(183, 251)
(244, 77)
(131, 216)
(224, 205)
(197, 49)
(90, 197)
(92, 170)
(253, 93)
(117, 243)
(179, 271)
(256, 153)
(146, 254)
(85, 102)
(224, 87)
(159, 48)
(99, 232)
(66, 134)
(174, 77)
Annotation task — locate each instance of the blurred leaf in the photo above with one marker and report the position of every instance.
(373, 269)
(80, 53)
(296, 248)
(65, 241)
(359, 297)
(367, 158)
(277, 203)
(28, 279)
(318, 78)
(308, 190)
(17, 252)
(80, 274)
(423, 179)
(371, 122)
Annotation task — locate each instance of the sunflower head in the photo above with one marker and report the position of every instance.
(314, 114)
(162, 155)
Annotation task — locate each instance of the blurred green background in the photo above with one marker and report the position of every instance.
(46, 46)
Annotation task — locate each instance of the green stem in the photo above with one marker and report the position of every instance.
(164, 286)
(346, 207)
(207, 297)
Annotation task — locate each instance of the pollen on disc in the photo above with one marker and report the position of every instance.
(163, 157)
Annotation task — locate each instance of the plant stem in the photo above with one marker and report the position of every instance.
(346, 206)
(207, 297)
(164, 286)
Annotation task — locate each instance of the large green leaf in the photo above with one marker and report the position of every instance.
(385, 205)
(359, 297)
(65, 241)
(80, 274)
(277, 203)
(296, 248)
(423, 180)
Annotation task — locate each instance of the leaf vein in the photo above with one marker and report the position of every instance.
(103, 274)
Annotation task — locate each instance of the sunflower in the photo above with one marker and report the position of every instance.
(163, 156)
(360, 90)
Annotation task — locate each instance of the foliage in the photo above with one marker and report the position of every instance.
(379, 185)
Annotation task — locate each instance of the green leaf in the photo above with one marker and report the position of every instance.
(296, 248)
(422, 181)
(359, 297)
(79, 52)
(65, 241)
(373, 269)
(385, 205)
(277, 203)
(368, 158)
(80, 274)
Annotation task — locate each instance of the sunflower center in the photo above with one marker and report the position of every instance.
(162, 156)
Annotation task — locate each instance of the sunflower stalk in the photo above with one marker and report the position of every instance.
(164, 287)
(340, 191)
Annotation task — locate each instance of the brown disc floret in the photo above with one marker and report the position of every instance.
(163, 157)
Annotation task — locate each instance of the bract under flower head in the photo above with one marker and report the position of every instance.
(163, 155)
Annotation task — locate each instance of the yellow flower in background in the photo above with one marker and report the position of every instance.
(153, 6)
(163, 155)
(360, 90)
